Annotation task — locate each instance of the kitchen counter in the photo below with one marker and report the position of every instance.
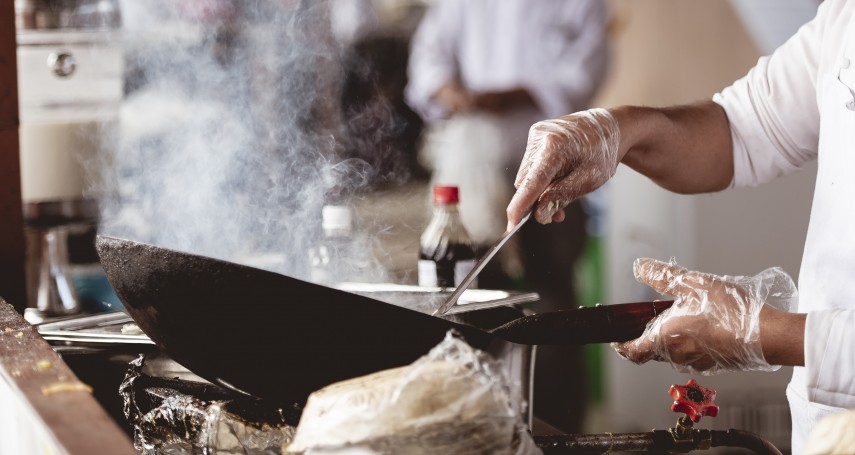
(45, 407)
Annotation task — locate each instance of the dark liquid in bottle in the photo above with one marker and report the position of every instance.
(446, 260)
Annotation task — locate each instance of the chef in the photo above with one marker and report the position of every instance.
(794, 106)
(480, 73)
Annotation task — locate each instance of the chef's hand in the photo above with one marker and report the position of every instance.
(715, 323)
(454, 98)
(565, 158)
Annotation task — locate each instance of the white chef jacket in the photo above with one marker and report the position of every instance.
(554, 48)
(795, 106)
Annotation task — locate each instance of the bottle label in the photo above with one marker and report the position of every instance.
(427, 273)
(461, 269)
(441, 275)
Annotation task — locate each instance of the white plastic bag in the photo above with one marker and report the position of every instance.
(453, 400)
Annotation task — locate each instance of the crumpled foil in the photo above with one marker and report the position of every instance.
(454, 400)
(169, 422)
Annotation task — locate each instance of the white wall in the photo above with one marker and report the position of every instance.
(771, 22)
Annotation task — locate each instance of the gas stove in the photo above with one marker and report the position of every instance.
(169, 410)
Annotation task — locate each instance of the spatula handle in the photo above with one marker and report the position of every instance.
(627, 321)
(601, 324)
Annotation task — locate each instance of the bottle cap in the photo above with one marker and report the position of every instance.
(445, 195)
(336, 217)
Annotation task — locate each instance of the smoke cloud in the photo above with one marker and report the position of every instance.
(231, 133)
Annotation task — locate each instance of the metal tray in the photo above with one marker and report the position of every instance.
(115, 328)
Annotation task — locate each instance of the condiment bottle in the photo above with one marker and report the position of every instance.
(329, 260)
(446, 252)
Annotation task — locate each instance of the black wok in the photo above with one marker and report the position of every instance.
(280, 338)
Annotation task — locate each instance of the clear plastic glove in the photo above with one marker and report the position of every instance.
(565, 158)
(714, 324)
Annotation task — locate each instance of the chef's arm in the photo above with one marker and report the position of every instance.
(782, 336)
(685, 149)
(499, 102)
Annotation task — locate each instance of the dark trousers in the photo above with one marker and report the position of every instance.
(550, 253)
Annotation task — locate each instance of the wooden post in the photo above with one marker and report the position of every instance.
(53, 411)
(12, 246)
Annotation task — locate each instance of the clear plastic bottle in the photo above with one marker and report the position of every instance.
(331, 259)
(446, 252)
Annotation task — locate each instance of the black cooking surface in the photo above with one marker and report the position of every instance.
(266, 334)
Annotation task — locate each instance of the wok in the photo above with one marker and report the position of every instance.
(280, 338)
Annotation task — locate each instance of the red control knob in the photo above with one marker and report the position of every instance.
(694, 400)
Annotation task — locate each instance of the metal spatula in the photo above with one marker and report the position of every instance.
(470, 277)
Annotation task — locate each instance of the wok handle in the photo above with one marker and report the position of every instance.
(600, 324)
(627, 321)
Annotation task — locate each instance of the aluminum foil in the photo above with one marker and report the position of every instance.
(167, 421)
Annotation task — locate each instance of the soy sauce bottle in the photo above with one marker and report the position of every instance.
(446, 252)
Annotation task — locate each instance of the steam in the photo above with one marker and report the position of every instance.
(231, 136)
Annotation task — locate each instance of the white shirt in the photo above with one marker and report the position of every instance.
(554, 48)
(795, 106)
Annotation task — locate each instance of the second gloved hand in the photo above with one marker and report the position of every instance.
(714, 324)
(565, 159)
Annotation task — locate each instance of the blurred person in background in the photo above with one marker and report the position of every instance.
(795, 106)
(480, 73)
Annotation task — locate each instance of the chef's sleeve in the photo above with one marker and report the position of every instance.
(433, 57)
(772, 110)
(575, 59)
(774, 119)
(830, 357)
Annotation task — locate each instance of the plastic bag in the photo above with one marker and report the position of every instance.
(453, 400)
